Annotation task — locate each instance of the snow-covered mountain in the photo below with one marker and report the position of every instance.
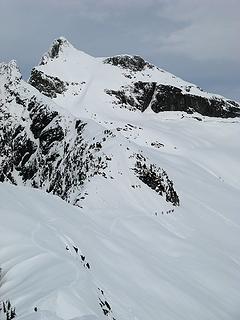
(127, 81)
(150, 163)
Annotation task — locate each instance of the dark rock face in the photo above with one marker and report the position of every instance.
(47, 85)
(156, 178)
(55, 48)
(133, 63)
(41, 148)
(144, 92)
(137, 97)
(54, 51)
(168, 98)
(141, 95)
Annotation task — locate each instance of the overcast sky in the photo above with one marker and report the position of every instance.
(198, 40)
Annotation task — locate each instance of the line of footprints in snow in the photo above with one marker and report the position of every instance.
(165, 212)
(105, 306)
(83, 258)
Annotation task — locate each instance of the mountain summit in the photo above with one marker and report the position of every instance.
(119, 194)
(10, 72)
(58, 47)
(125, 81)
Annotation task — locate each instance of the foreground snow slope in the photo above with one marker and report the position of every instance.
(182, 265)
(155, 231)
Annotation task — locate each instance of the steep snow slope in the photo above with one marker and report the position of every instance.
(157, 194)
(183, 265)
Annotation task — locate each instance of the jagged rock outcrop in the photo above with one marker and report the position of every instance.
(168, 98)
(133, 63)
(40, 146)
(56, 48)
(141, 95)
(47, 85)
(156, 179)
(138, 97)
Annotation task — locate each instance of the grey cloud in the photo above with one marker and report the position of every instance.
(196, 40)
(211, 29)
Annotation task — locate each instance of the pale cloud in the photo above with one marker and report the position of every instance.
(195, 39)
(211, 29)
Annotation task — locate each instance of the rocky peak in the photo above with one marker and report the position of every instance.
(58, 46)
(9, 72)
